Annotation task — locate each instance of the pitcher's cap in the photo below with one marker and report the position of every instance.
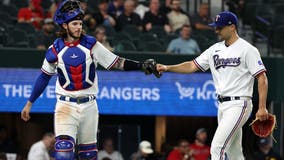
(224, 19)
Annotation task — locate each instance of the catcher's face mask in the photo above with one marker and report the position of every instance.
(68, 11)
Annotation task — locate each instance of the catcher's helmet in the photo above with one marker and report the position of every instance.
(67, 11)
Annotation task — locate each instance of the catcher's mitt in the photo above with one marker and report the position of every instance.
(264, 128)
(149, 67)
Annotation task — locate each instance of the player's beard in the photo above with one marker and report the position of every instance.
(75, 35)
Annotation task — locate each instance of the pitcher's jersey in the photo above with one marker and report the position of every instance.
(75, 64)
(233, 68)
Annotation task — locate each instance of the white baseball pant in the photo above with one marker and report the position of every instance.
(77, 120)
(227, 141)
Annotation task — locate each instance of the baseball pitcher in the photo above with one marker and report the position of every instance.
(234, 64)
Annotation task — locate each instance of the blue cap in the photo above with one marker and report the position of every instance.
(224, 19)
(264, 141)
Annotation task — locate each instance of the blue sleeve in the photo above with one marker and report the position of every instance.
(39, 86)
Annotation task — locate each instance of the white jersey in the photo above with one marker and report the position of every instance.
(233, 68)
(115, 155)
(75, 65)
(38, 151)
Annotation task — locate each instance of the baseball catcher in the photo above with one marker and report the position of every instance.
(73, 58)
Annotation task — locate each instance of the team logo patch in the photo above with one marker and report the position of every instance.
(74, 56)
(226, 62)
(217, 18)
(260, 62)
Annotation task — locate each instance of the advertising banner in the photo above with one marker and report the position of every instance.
(123, 93)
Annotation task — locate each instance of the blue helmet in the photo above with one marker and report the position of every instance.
(68, 11)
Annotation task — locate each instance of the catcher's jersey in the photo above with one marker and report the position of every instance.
(75, 65)
(233, 68)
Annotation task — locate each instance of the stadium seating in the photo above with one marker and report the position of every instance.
(19, 3)
(125, 45)
(18, 38)
(132, 30)
(27, 27)
(153, 46)
(278, 36)
(12, 10)
(7, 18)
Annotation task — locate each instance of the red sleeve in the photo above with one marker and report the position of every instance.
(24, 13)
(174, 155)
(21, 13)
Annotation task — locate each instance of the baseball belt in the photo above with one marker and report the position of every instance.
(78, 100)
(222, 99)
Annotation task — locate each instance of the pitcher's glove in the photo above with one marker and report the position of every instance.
(264, 128)
(149, 67)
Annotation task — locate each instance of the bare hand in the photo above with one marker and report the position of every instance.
(148, 26)
(262, 114)
(167, 28)
(38, 19)
(161, 68)
(25, 114)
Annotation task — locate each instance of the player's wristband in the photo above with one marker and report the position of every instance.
(130, 65)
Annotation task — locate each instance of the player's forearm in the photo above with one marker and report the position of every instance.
(262, 90)
(39, 86)
(185, 67)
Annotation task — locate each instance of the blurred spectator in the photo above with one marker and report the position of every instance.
(156, 18)
(86, 9)
(140, 9)
(184, 44)
(100, 35)
(176, 17)
(265, 150)
(236, 6)
(116, 8)
(201, 19)
(199, 150)
(129, 17)
(40, 150)
(32, 14)
(108, 151)
(6, 2)
(53, 7)
(6, 143)
(166, 148)
(102, 17)
(90, 25)
(181, 152)
(47, 35)
(3, 156)
(144, 152)
(166, 7)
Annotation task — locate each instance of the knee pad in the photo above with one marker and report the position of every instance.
(88, 151)
(64, 148)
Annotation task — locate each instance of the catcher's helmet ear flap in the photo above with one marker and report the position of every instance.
(67, 11)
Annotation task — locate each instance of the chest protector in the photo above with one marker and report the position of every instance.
(75, 66)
